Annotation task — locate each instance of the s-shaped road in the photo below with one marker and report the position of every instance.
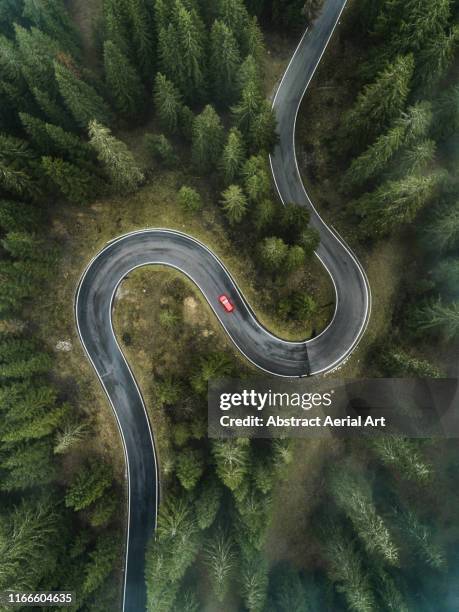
(98, 285)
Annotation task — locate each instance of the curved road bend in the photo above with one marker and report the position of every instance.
(97, 288)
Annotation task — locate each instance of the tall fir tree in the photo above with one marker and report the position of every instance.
(378, 105)
(207, 139)
(224, 63)
(116, 158)
(123, 82)
(81, 99)
(168, 103)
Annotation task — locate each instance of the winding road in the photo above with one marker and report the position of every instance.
(99, 283)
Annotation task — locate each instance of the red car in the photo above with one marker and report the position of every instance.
(224, 301)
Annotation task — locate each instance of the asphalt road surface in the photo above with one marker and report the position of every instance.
(97, 288)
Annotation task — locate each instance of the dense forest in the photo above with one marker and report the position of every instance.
(192, 73)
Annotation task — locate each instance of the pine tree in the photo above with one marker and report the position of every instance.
(272, 253)
(190, 467)
(395, 203)
(168, 103)
(207, 139)
(189, 199)
(257, 180)
(254, 582)
(51, 109)
(379, 103)
(224, 63)
(89, 485)
(71, 434)
(234, 204)
(102, 561)
(442, 234)
(265, 214)
(434, 59)
(246, 111)
(123, 82)
(220, 559)
(352, 493)
(161, 149)
(37, 52)
(17, 216)
(74, 183)
(407, 130)
(296, 258)
(404, 456)
(16, 160)
(215, 365)
(233, 156)
(208, 503)
(51, 17)
(28, 465)
(181, 47)
(263, 133)
(24, 549)
(81, 99)
(346, 569)
(234, 15)
(22, 245)
(437, 317)
(141, 21)
(19, 359)
(232, 461)
(420, 536)
(118, 161)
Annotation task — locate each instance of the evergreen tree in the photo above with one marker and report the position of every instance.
(16, 161)
(352, 493)
(406, 130)
(379, 103)
(224, 63)
(420, 536)
(189, 199)
(207, 139)
(116, 158)
(161, 149)
(437, 317)
(81, 99)
(102, 561)
(232, 461)
(263, 133)
(404, 456)
(168, 103)
(442, 234)
(272, 253)
(215, 365)
(51, 17)
(190, 467)
(51, 109)
(89, 485)
(37, 52)
(74, 183)
(123, 82)
(265, 213)
(28, 464)
(346, 570)
(395, 203)
(254, 579)
(208, 503)
(26, 554)
(257, 179)
(247, 110)
(296, 258)
(181, 47)
(141, 29)
(233, 156)
(234, 15)
(220, 559)
(234, 204)
(446, 276)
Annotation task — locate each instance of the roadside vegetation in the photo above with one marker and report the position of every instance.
(165, 122)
